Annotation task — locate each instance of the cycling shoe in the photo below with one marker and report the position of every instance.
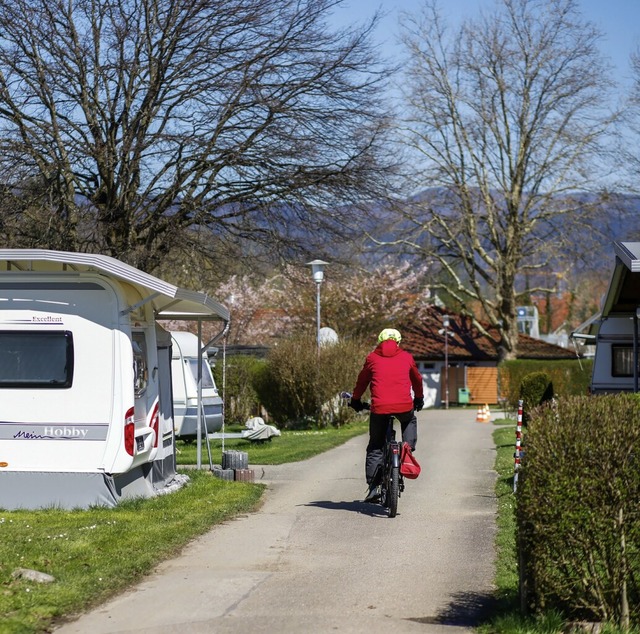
(373, 494)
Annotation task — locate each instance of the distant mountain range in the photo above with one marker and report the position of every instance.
(587, 238)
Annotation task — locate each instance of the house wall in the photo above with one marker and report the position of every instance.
(430, 384)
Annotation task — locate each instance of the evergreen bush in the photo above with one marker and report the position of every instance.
(535, 388)
(578, 509)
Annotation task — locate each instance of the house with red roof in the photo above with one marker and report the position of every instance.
(459, 364)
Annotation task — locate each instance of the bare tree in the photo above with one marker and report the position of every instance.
(504, 116)
(237, 120)
(628, 155)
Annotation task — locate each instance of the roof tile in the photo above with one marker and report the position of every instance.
(466, 343)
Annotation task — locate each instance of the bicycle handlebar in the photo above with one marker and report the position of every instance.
(347, 396)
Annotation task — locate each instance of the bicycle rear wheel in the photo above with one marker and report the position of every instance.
(393, 491)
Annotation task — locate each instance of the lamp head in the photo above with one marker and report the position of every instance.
(317, 270)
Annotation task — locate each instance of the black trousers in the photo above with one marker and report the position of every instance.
(378, 424)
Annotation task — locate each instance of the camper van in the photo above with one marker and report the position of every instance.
(85, 379)
(185, 361)
(615, 330)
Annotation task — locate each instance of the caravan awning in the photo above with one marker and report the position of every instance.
(168, 301)
(623, 295)
(629, 253)
(587, 330)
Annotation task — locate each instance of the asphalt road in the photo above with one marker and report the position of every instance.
(315, 558)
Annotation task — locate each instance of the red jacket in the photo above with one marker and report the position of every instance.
(391, 373)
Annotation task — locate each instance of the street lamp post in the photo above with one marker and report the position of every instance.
(445, 323)
(317, 271)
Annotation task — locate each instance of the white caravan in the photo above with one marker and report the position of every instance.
(85, 379)
(186, 357)
(615, 330)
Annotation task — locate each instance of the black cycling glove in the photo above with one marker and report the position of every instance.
(418, 404)
(356, 404)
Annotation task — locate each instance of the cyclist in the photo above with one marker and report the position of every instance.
(391, 374)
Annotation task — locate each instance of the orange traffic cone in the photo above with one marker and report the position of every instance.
(480, 415)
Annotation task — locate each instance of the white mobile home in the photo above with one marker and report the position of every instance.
(190, 362)
(85, 379)
(616, 331)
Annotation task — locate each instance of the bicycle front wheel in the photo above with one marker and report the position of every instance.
(393, 491)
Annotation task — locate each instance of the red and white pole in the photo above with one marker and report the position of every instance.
(517, 454)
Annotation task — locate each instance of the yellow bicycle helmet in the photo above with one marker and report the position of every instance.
(389, 333)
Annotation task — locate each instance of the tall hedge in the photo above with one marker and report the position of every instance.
(569, 377)
(578, 509)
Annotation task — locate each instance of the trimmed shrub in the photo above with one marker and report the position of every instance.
(536, 388)
(578, 509)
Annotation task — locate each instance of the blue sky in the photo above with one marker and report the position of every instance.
(618, 19)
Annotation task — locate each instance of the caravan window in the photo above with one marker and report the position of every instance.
(140, 373)
(207, 379)
(622, 361)
(42, 359)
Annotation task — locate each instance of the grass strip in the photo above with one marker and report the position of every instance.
(507, 618)
(506, 560)
(291, 446)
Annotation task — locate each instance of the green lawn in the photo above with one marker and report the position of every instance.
(95, 553)
(291, 446)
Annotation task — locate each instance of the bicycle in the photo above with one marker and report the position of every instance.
(392, 483)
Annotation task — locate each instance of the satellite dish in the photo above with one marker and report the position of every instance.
(327, 336)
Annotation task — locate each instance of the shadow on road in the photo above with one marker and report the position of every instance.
(357, 506)
(466, 609)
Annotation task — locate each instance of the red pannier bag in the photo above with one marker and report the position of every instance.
(409, 466)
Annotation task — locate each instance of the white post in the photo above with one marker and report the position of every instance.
(445, 323)
(317, 270)
(199, 380)
(318, 313)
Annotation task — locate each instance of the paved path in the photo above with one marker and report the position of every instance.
(316, 559)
